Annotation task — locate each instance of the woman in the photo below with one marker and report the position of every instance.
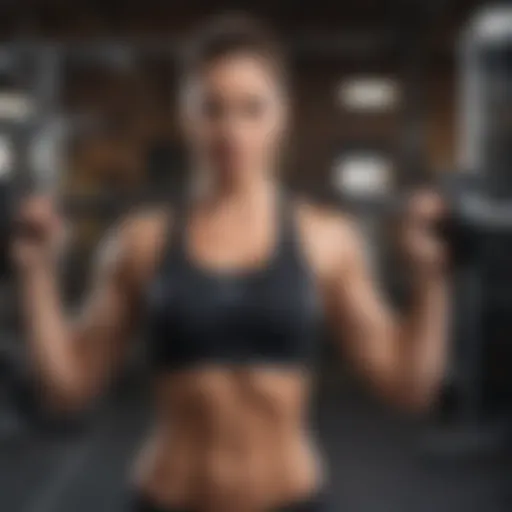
(233, 282)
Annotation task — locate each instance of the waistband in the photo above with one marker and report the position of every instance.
(318, 502)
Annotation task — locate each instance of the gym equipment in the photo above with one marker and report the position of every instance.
(33, 129)
(477, 419)
(25, 103)
(477, 404)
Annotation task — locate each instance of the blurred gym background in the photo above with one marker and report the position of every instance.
(87, 107)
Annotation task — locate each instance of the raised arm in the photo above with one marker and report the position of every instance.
(74, 357)
(403, 357)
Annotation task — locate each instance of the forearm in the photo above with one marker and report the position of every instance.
(52, 351)
(424, 341)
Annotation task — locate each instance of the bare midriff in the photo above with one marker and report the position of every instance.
(230, 440)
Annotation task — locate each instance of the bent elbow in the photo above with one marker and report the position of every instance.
(71, 396)
(418, 404)
(419, 399)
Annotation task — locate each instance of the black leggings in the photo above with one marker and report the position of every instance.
(317, 503)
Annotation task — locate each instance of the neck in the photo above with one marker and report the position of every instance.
(247, 189)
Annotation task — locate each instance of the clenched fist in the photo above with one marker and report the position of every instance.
(420, 240)
(38, 233)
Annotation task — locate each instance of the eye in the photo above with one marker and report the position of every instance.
(212, 108)
(216, 108)
(254, 107)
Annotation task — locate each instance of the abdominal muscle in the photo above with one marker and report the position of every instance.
(230, 440)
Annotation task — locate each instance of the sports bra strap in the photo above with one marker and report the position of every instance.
(176, 231)
(288, 238)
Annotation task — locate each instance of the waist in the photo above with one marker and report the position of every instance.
(257, 472)
(316, 502)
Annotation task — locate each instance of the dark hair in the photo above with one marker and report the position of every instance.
(228, 35)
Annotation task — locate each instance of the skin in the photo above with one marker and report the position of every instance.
(237, 439)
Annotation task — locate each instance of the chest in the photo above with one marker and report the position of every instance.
(272, 294)
(270, 315)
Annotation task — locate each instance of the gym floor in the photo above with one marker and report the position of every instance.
(375, 459)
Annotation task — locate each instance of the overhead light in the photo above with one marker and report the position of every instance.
(363, 175)
(368, 94)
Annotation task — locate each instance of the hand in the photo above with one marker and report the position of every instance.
(422, 246)
(38, 234)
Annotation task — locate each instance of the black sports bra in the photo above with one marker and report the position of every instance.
(267, 315)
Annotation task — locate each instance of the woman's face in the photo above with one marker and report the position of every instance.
(235, 115)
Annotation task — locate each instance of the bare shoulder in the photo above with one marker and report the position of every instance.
(329, 234)
(133, 244)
